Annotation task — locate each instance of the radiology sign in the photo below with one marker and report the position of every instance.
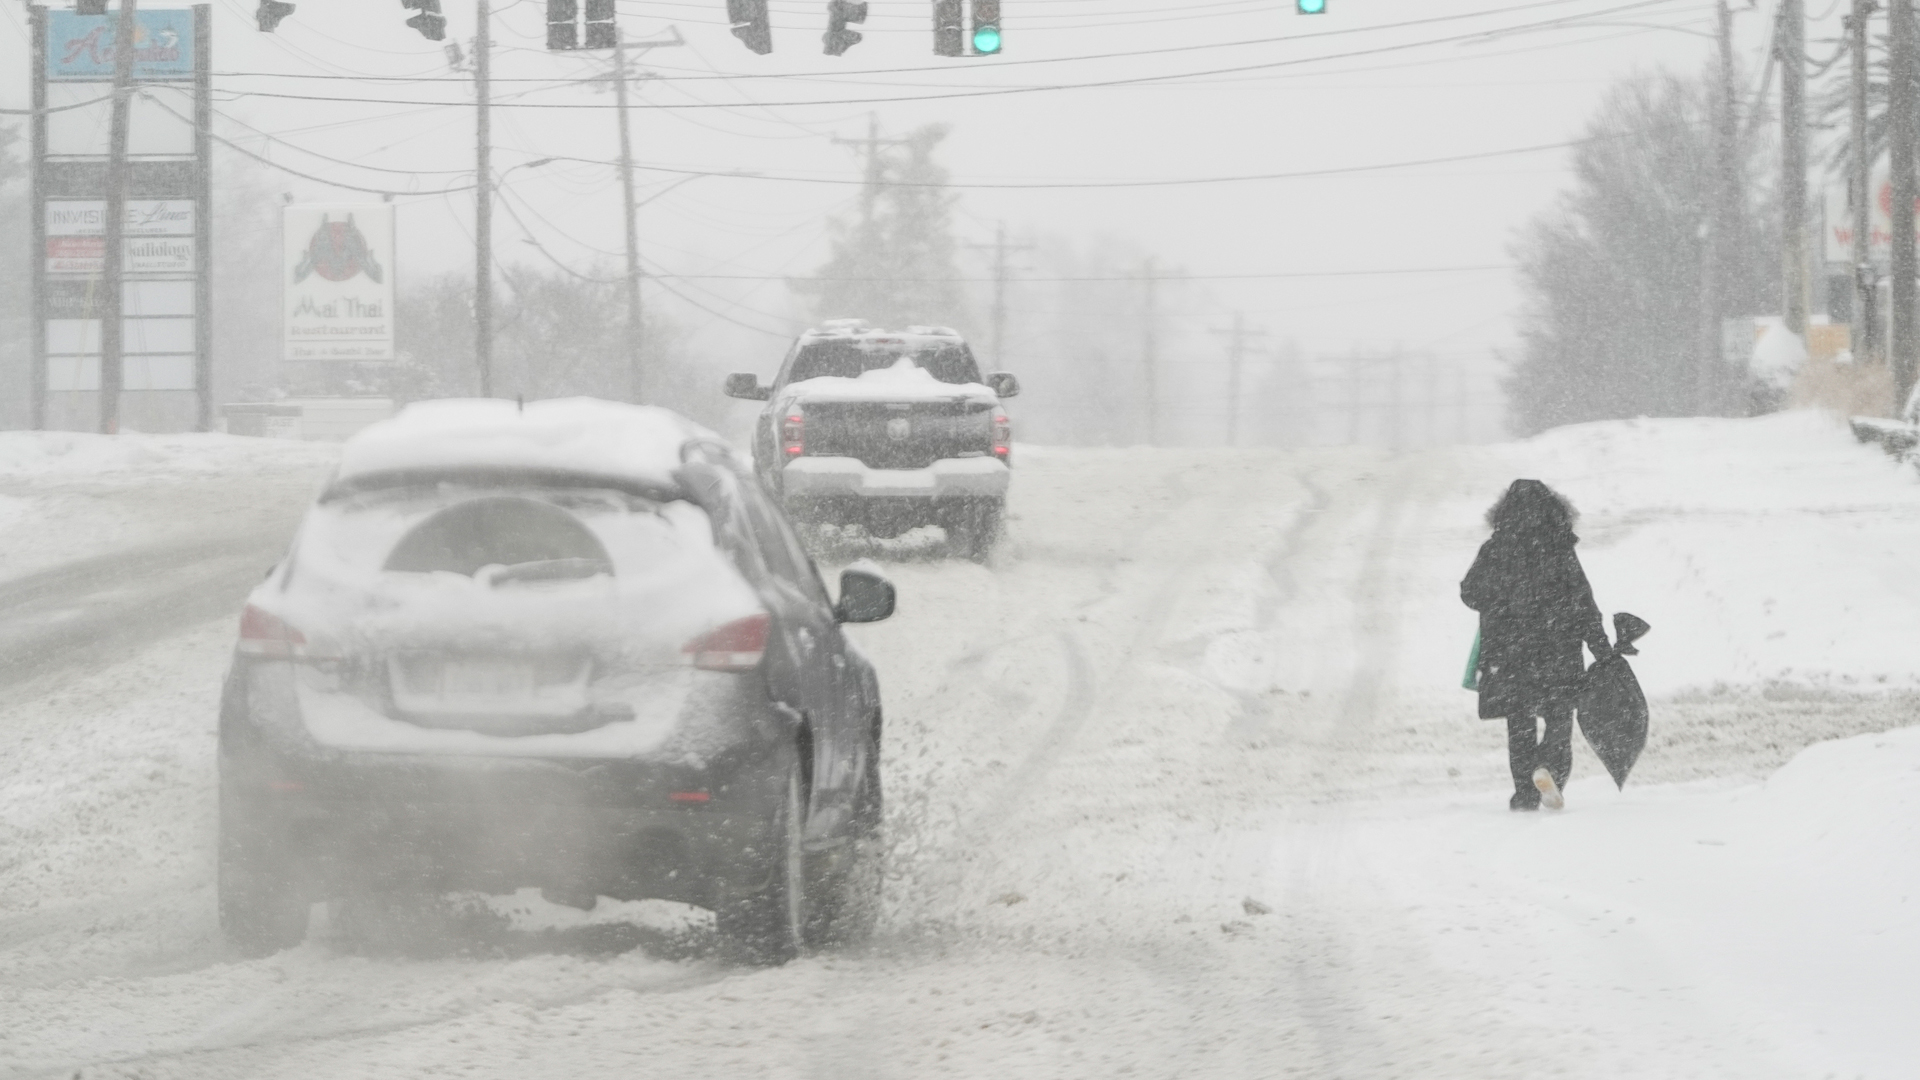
(338, 282)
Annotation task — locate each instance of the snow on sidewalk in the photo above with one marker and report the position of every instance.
(1778, 915)
(68, 495)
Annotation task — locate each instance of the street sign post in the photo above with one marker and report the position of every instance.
(164, 261)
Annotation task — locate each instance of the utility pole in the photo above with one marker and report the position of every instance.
(1900, 106)
(1863, 339)
(1001, 274)
(876, 170)
(1718, 225)
(1354, 382)
(483, 203)
(1236, 336)
(1462, 400)
(1792, 40)
(635, 361)
(636, 325)
(1150, 353)
(113, 255)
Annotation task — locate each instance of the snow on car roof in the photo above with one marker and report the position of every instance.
(580, 436)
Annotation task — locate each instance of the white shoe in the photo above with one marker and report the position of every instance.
(1549, 791)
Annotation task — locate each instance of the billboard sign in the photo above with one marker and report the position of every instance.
(338, 282)
(1838, 227)
(159, 236)
(80, 47)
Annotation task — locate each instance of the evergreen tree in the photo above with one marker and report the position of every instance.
(894, 264)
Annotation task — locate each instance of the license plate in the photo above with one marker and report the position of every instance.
(461, 679)
(433, 685)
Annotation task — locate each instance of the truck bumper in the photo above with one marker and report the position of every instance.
(844, 477)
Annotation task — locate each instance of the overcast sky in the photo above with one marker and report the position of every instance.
(1237, 88)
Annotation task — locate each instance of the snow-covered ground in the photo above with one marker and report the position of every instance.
(1182, 784)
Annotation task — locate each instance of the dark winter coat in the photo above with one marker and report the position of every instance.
(1535, 606)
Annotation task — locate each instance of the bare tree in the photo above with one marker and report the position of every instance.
(1612, 275)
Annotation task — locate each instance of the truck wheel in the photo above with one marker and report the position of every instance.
(262, 908)
(766, 927)
(975, 528)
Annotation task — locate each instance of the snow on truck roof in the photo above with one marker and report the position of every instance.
(859, 332)
(632, 444)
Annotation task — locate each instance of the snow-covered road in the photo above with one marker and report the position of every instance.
(1181, 785)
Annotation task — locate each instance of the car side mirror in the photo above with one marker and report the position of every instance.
(864, 597)
(745, 384)
(1004, 384)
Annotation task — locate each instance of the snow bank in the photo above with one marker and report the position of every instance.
(1765, 551)
(32, 456)
(578, 435)
(1790, 905)
(1778, 355)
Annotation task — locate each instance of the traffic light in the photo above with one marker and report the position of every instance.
(838, 38)
(1311, 7)
(949, 33)
(431, 24)
(986, 27)
(270, 14)
(602, 31)
(563, 25)
(749, 18)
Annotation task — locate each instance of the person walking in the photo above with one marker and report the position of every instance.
(1536, 609)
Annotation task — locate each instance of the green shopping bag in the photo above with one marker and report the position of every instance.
(1471, 680)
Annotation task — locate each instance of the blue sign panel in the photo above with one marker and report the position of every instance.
(80, 47)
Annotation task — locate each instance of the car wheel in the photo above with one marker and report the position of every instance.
(262, 909)
(847, 881)
(767, 927)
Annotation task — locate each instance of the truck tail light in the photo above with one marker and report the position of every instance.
(737, 646)
(793, 436)
(1002, 435)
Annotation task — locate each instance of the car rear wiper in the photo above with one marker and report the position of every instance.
(545, 570)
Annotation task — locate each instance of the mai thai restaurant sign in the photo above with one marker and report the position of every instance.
(338, 282)
(158, 236)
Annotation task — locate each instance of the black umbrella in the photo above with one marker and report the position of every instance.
(1613, 711)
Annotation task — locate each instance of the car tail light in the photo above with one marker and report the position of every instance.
(1002, 434)
(737, 646)
(267, 635)
(793, 436)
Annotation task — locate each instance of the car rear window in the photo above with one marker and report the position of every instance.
(849, 359)
(462, 529)
(496, 530)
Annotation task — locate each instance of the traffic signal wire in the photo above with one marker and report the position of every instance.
(1022, 62)
(1135, 80)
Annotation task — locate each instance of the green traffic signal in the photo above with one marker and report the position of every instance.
(986, 40)
(1312, 7)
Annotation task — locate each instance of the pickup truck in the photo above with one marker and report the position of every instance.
(888, 430)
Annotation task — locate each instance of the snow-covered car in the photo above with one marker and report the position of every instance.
(887, 429)
(570, 645)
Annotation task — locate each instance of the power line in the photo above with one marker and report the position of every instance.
(1135, 80)
(1277, 275)
(1006, 63)
(1084, 185)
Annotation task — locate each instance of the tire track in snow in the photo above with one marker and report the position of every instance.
(98, 610)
